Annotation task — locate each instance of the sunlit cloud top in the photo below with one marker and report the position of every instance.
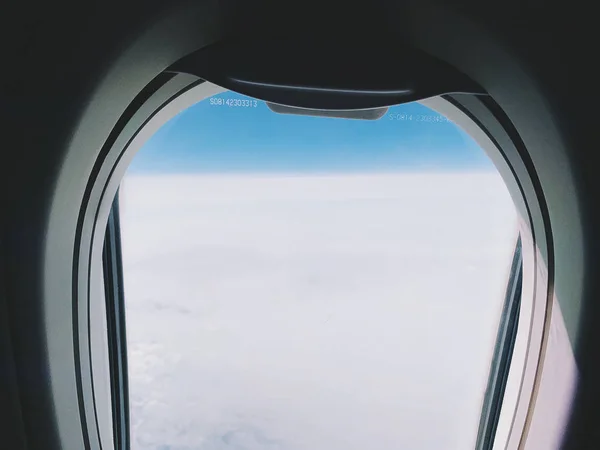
(231, 133)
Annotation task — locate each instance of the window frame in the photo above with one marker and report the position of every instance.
(170, 94)
(503, 354)
(116, 338)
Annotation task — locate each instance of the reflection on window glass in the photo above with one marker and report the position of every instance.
(310, 283)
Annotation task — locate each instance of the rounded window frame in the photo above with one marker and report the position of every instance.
(170, 94)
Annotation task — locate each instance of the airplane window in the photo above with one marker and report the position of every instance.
(311, 283)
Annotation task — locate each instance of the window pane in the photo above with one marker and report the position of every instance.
(304, 283)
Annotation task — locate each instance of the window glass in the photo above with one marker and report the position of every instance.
(310, 283)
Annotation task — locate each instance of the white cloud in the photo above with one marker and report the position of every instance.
(324, 312)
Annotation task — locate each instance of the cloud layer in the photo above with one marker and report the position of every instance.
(312, 312)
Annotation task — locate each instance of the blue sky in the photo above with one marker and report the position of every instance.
(225, 138)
